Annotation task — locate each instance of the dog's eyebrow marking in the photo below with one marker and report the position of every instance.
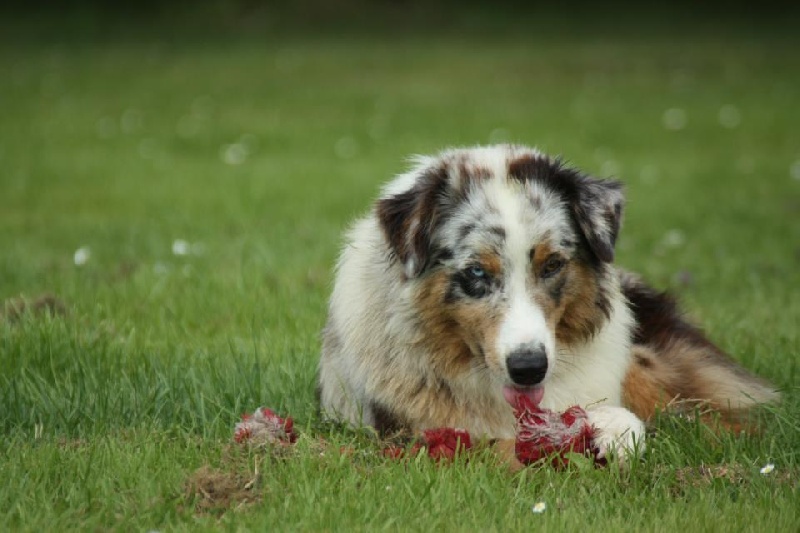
(497, 230)
(465, 231)
(443, 254)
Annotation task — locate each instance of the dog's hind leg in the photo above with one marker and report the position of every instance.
(674, 363)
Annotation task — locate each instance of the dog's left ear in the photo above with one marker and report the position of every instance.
(597, 208)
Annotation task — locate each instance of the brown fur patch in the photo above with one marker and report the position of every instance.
(683, 381)
(453, 333)
(491, 263)
(541, 253)
(644, 388)
(580, 315)
(435, 406)
(699, 375)
(685, 364)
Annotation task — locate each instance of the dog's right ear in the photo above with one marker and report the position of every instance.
(409, 219)
(597, 207)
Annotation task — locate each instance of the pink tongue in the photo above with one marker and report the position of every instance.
(534, 394)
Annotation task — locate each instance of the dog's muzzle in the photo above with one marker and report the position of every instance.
(527, 365)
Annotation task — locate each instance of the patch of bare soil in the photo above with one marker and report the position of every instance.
(734, 474)
(13, 309)
(216, 491)
(701, 476)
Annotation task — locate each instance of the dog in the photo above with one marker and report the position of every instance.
(485, 274)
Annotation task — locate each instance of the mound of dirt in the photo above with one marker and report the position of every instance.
(14, 309)
(216, 491)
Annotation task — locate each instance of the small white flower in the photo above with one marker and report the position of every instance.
(234, 154)
(249, 141)
(148, 148)
(794, 170)
(602, 153)
(499, 135)
(539, 507)
(377, 127)
(674, 119)
(188, 126)
(203, 106)
(649, 174)
(610, 168)
(729, 116)
(106, 127)
(346, 148)
(746, 164)
(81, 256)
(674, 238)
(767, 469)
(180, 247)
(132, 121)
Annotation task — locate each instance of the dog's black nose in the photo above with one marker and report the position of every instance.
(527, 366)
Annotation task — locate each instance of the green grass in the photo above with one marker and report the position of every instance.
(107, 412)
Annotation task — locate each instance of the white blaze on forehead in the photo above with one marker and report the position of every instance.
(524, 324)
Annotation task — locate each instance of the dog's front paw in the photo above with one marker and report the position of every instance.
(618, 432)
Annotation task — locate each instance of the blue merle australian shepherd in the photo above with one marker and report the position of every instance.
(486, 273)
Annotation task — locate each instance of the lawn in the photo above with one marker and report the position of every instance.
(182, 201)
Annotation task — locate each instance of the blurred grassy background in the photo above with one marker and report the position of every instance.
(179, 175)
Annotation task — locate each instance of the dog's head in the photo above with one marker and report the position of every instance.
(508, 253)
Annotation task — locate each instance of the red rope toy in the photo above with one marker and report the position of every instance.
(542, 435)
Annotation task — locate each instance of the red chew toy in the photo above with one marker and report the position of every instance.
(445, 443)
(441, 443)
(265, 427)
(543, 434)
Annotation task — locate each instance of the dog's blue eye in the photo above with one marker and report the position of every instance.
(474, 281)
(476, 272)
